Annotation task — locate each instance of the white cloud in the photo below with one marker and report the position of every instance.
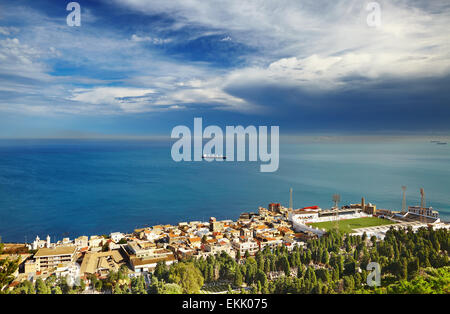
(7, 31)
(125, 98)
(133, 100)
(156, 41)
(311, 44)
(325, 41)
(21, 60)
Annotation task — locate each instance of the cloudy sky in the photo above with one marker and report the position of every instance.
(141, 67)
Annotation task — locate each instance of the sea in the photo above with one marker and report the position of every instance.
(74, 187)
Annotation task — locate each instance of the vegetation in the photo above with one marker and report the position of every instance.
(7, 268)
(411, 262)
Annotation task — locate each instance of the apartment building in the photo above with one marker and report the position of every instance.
(251, 246)
(50, 258)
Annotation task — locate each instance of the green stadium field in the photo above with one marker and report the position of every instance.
(347, 225)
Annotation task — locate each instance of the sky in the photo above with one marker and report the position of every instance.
(142, 67)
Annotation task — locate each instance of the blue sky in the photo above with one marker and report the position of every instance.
(141, 67)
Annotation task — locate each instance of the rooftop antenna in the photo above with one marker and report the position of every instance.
(291, 203)
(404, 199)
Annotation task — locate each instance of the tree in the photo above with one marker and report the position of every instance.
(261, 279)
(171, 288)
(284, 265)
(105, 247)
(349, 283)
(41, 287)
(325, 257)
(25, 287)
(117, 289)
(238, 255)
(99, 285)
(138, 285)
(237, 278)
(7, 269)
(187, 276)
(82, 285)
(161, 271)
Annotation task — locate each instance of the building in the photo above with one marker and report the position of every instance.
(305, 236)
(275, 207)
(215, 226)
(38, 243)
(81, 242)
(144, 256)
(117, 236)
(30, 267)
(101, 263)
(50, 258)
(217, 246)
(426, 211)
(246, 233)
(270, 242)
(251, 246)
(370, 209)
(95, 241)
(141, 249)
(305, 216)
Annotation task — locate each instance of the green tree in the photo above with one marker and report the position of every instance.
(7, 269)
(161, 271)
(238, 278)
(261, 279)
(171, 288)
(187, 276)
(41, 287)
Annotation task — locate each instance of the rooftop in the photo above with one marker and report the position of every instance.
(60, 250)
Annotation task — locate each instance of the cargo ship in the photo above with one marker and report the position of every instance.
(213, 156)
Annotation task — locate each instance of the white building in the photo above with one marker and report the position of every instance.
(81, 242)
(117, 236)
(298, 223)
(39, 244)
(251, 246)
(222, 245)
(95, 241)
(50, 258)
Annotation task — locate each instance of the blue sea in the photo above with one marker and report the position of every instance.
(87, 187)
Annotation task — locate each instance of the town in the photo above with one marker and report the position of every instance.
(95, 257)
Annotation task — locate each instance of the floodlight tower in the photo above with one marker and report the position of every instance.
(422, 198)
(291, 203)
(336, 200)
(404, 199)
(422, 205)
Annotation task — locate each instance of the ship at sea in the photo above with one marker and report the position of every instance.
(438, 142)
(213, 156)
